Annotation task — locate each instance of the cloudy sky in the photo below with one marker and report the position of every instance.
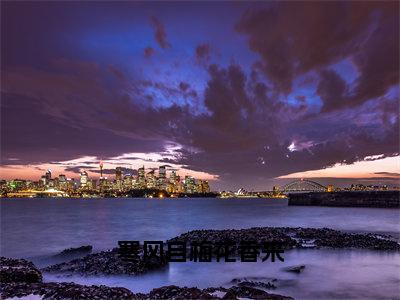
(243, 94)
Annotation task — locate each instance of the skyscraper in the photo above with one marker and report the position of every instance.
(62, 182)
(151, 180)
(162, 177)
(84, 179)
(48, 175)
(141, 180)
(118, 173)
(101, 169)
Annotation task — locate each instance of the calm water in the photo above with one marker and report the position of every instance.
(39, 228)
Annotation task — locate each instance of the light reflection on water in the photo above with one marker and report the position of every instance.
(39, 228)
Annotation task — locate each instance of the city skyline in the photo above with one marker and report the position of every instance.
(245, 94)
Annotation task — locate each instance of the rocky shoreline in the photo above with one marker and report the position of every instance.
(19, 277)
(295, 238)
(109, 262)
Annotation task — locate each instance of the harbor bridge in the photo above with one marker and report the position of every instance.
(303, 185)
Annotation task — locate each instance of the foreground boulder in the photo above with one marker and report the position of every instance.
(18, 270)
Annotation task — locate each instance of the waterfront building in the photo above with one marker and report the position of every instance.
(162, 178)
(84, 179)
(127, 183)
(189, 184)
(151, 180)
(141, 180)
(62, 182)
(48, 175)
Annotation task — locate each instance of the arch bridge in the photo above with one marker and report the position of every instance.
(303, 185)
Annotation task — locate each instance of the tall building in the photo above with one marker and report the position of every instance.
(141, 180)
(189, 184)
(127, 184)
(103, 184)
(48, 175)
(206, 186)
(162, 173)
(151, 180)
(84, 179)
(118, 173)
(162, 178)
(101, 169)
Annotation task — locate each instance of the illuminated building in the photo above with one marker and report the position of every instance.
(84, 179)
(48, 175)
(118, 173)
(206, 186)
(151, 180)
(199, 186)
(103, 184)
(71, 185)
(122, 186)
(93, 184)
(330, 188)
(141, 180)
(127, 184)
(42, 181)
(62, 182)
(162, 178)
(276, 191)
(189, 184)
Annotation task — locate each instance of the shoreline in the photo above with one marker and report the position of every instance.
(23, 283)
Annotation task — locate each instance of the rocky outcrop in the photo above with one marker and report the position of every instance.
(72, 291)
(76, 251)
(293, 237)
(65, 291)
(21, 278)
(253, 293)
(176, 292)
(109, 262)
(106, 263)
(18, 270)
(295, 269)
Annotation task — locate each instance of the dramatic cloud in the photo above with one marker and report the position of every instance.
(148, 52)
(294, 38)
(159, 33)
(296, 87)
(203, 53)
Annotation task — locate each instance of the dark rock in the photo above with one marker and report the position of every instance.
(292, 238)
(175, 292)
(295, 269)
(53, 290)
(253, 293)
(106, 263)
(18, 270)
(267, 285)
(230, 295)
(76, 251)
(64, 290)
(260, 282)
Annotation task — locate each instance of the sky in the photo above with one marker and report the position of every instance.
(244, 94)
